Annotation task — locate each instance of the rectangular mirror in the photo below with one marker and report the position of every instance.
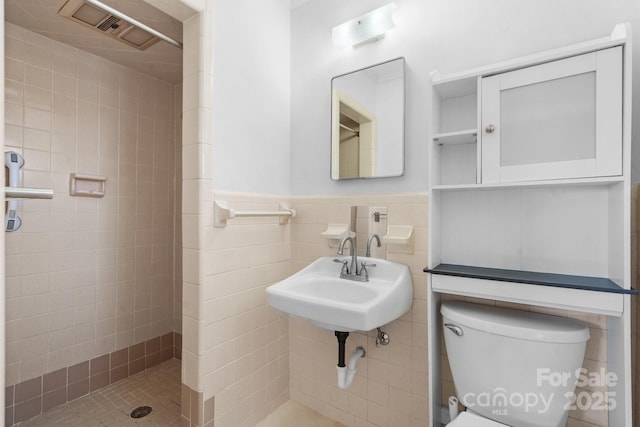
(367, 122)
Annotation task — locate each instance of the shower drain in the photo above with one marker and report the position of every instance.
(141, 411)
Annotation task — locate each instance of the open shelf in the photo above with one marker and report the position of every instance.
(608, 180)
(587, 283)
(469, 136)
(565, 292)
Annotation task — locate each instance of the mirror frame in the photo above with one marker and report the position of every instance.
(334, 154)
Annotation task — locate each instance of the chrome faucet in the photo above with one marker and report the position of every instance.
(352, 272)
(373, 236)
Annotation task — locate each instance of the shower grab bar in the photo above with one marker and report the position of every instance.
(13, 162)
(135, 22)
(222, 213)
(28, 193)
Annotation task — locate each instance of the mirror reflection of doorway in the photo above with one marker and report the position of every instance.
(349, 147)
(357, 138)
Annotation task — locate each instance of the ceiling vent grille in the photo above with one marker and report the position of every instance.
(108, 23)
(89, 14)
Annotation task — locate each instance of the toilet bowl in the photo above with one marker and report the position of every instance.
(468, 419)
(501, 360)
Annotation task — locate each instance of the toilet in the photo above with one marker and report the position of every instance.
(510, 367)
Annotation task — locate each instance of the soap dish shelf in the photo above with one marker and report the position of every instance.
(334, 233)
(399, 238)
(85, 185)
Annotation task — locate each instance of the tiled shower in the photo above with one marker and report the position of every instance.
(93, 284)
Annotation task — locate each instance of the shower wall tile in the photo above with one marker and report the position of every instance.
(234, 343)
(88, 277)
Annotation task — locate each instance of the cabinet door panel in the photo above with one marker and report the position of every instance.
(556, 120)
(549, 121)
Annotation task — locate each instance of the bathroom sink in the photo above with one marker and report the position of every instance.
(317, 293)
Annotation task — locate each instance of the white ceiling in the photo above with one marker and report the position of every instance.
(298, 3)
(161, 60)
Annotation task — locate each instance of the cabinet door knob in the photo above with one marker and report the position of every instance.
(490, 129)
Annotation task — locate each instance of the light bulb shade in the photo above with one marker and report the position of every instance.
(371, 26)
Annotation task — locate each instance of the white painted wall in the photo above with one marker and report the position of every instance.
(449, 36)
(389, 97)
(251, 96)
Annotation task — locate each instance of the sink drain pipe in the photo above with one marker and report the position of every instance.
(346, 373)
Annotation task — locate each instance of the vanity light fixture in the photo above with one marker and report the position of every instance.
(369, 27)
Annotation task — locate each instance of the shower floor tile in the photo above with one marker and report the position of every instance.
(158, 387)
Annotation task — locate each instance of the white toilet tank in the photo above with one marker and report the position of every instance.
(514, 367)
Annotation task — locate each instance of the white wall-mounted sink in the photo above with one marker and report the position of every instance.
(317, 293)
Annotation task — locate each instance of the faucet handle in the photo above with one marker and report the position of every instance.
(364, 272)
(344, 262)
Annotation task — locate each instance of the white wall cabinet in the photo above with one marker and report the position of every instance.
(530, 192)
(560, 119)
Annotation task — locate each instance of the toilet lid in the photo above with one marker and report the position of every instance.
(467, 419)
